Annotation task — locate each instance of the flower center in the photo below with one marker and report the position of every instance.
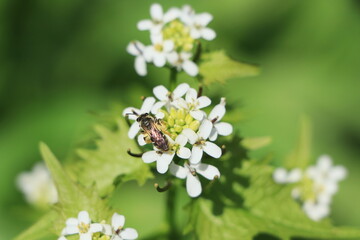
(179, 34)
(158, 47)
(83, 228)
(309, 190)
(177, 120)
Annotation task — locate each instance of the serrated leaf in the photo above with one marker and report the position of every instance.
(218, 67)
(110, 159)
(267, 208)
(255, 143)
(300, 157)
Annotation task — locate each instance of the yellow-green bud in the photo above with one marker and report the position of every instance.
(181, 113)
(172, 130)
(166, 114)
(173, 135)
(170, 121)
(180, 122)
(185, 126)
(188, 119)
(178, 128)
(173, 113)
(194, 125)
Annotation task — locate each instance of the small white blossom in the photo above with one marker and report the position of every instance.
(282, 176)
(194, 103)
(158, 19)
(38, 186)
(181, 61)
(137, 49)
(193, 185)
(219, 128)
(316, 211)
(81, 225)
(166, 97)
(132, 113)
(158, 51)
(163, 159)
(116, 230)
(198, 23)
(200, 144)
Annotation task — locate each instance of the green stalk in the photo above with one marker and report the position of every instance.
(171, 213)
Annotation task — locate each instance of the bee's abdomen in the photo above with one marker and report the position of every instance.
(160, 141)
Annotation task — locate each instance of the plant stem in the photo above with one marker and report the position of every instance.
(173, 76)
(170, 213)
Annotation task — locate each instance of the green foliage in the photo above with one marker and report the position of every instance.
(256, 142)
(264, 208)
(218, 67)
(110, 160)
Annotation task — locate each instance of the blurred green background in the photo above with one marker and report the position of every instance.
(63, 59)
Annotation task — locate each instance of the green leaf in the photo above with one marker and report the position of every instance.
(300, 157)
(256, 142)
(218, 67)
(110, 160)
(264, 208)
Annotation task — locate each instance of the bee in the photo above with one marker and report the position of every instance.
(153, 129)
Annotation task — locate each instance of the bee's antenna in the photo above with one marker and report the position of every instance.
(163, 189)
(139, 155)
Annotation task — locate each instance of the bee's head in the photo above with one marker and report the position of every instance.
(141, 117)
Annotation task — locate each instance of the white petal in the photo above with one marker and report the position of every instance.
(181, 140)
(145, 25)
(160, 115)
(191, 135)
(156, 12)
(223, 129)
(148, 53)
(135, 48)
(197, 114)
(141, 140)
(193, 185)
(71, 229)
(129, 234)
(280, 175)
(168, 46)
(184, 153)
(212, 149)
(150, 156)
(203, 18)
(178, 171)
(171, 14)
(140, 66)
(72, 221)
(162, 164)
(324, 163)
(195, 33)
(173, 58)
(180, 90)
(96, 227)
(134, 129)
(294, 176)
(338, 173)
(161, 92)
(157, 106)
(191, 95)
(207, 34)
(181, 103)
(203, 102)
(156, 38)
(147, 105)
(190, 68)
(108, 230)
(159, 59)
(213, 135)
(130, 113)
(218, 111)
(205, 129)
(62, 238)
(117, 221)
(206, 170)
(86, 236)
(196, 155)
(83, 217)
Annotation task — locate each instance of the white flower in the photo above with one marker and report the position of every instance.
(182, 62)
(282, 176)
(198, 25)
(116, 230)
(316, 211)
(166, 97)
(200, 144)
(159, 50)
(193, 185)
(38, 186)
(133, 113)
(137, 49)
(194, 103)
(219, 128)
(158, 18)
(163, 159)
(82, 226)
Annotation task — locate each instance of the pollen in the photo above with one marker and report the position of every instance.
(179, 34)
(177, 120)
(83, 228)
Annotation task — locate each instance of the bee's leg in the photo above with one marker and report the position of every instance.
(147, 139)
(139, 155)
(163, 189)
(163, 127)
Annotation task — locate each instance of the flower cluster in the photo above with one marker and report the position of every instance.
(38, 186)
(315, 186)
(176, 125)
(83, 226)
(173, 36)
